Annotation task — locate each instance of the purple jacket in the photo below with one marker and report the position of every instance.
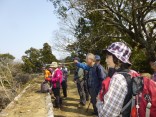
(154, 77)
(57, 78)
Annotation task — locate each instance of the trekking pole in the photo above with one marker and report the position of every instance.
(88, 107)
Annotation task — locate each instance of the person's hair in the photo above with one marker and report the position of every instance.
(152, 60)
(118, 62)
(91, 56)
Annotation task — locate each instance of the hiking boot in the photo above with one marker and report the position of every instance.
(56, 107)
(81, 105)
(87, 99)
(64, 98)
(93, 113)
(52, 97)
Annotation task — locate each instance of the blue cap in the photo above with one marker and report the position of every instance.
(77, 58)
(97, 57)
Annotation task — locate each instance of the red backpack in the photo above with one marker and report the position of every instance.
(147, 99)
(105, 84)
(144, 95)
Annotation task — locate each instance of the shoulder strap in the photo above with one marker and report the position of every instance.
(128, 98)
(84, 74)
(124, 72)
(97, 71)
(126, 75)
(126, 106)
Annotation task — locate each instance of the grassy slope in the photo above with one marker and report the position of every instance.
(31, 104)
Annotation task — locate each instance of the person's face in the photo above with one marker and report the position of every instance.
(53, 68)
(50, 68)
(109, 61)
(89, 61)
(153, 65)
(97, 62)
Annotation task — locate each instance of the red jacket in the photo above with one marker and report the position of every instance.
(57, 78)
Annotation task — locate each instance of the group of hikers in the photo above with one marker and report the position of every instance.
(56, 75)
(118, 91)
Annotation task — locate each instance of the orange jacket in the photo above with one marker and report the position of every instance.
(47, 73)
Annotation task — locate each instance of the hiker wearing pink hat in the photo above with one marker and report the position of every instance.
(119, 89)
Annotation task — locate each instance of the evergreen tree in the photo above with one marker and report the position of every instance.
(46, 54)
(35, 59)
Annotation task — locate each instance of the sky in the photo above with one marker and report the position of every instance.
(25, 24)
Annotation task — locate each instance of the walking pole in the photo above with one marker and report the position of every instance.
(88, 107)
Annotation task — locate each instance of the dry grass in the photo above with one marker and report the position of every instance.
(31, 104)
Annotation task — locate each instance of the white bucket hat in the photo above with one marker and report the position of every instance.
(121, 51)
(54, 64)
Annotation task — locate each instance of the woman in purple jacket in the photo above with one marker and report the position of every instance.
(153, 66)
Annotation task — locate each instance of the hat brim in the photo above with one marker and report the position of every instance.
(53, 66)
(105, 50)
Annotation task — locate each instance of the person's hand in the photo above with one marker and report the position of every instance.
(97, 98)
(74, 81)
(75, 61)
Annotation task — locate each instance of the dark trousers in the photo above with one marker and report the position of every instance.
(86, 90)
(58, 102)
(81, 91)
(93, 95)
(64, 88)
(51, 85)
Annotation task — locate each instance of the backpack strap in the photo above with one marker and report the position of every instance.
(126, 106)
(148, 107)
(128, 99)
(97, 70)
(84, 75)
(131, 102)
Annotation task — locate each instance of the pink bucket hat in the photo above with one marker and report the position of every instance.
(121, 51)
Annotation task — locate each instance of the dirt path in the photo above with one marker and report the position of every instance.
(31, 104)
(70, 105)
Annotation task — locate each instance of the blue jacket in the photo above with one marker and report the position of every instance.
(96, 75)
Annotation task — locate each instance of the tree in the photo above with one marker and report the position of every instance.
(32, 62)
(35, 59)
(6, 56)
(46, 54)
(102, 22)
(134, 19)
